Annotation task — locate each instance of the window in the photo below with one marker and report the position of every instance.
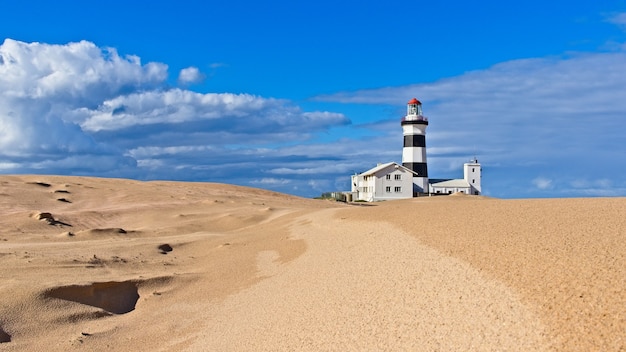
(397, 189)
(472, 169)
(388, 177)
(473, 180)
(397, 177)
(388, 188)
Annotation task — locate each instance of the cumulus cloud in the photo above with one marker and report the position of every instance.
(42, 84)
(190, 75)
(228, 111)
(74, 74)
(80, 109)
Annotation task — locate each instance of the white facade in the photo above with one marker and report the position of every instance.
(450, 186)
(470, 184)
(472, 174)
(383, 182)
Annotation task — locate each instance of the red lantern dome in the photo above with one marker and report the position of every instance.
(414, 101)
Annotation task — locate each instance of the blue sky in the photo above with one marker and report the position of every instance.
(294, 96)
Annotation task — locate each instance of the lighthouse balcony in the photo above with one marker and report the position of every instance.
(414, 120)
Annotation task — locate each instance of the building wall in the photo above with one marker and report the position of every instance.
(380, 187)
(387, 187)
(364, 188)
(472, 173)
(449, 190)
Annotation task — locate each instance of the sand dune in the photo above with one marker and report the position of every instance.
(112, 264)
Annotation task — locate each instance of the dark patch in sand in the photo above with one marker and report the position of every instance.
(64, 200)
(105, 231)
(113, 297)
(78, 317)
(96, 261)
(43, 216)
(42, 184)
(61, 191)
(47, 217)
(165, 248)
(4, 337)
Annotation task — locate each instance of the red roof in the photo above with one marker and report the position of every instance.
(415, 101)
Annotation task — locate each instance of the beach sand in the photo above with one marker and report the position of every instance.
(99, 264)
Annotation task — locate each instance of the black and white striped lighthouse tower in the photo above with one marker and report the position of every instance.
(414, 152)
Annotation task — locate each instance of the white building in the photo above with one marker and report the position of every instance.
(383, 182)
(469, 184)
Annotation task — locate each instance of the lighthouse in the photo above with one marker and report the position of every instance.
(414, 151)
(394, 181)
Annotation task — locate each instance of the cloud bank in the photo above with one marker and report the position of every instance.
(538, 124)
(80, 109)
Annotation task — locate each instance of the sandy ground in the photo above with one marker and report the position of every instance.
(107, 264)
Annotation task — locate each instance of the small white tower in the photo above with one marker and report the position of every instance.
(472, 174)
(414, 150)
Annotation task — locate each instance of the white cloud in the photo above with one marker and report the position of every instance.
(238, 112)
(618, 19)
(320, 185)
(142, 152)
(42, 84)
(74, 73)
(542, 183)
(80, 109)
(190, 75)
(602, 183)
(293, 171)
(270, 181)
(601, 187)
(9, 167)
(171, 106)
